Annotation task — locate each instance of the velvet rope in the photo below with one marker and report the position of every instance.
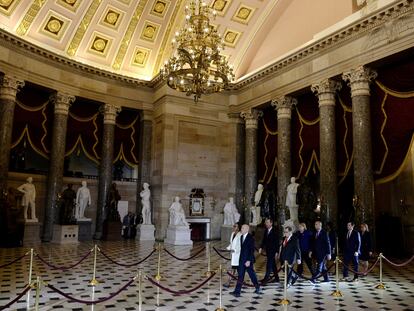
(184, 259)
(363, 273)
(218, 253)
(124, 264)
(181, 292)
(90, 302)
(19, 296)
(399, 264)
(64, 268)
(13, 261)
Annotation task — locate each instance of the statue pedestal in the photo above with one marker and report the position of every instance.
(178, 235)
(225, 233)
(145, 233)
(85, 230)
(31, 233)
(65, 234)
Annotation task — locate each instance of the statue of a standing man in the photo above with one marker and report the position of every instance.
(292, 190)
(83, 199)
(146, 205)
(29, 198)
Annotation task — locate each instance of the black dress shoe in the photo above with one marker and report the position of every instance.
(235, 294)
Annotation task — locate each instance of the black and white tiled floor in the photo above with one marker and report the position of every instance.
(179, 275)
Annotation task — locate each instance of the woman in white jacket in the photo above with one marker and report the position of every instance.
(234, 248)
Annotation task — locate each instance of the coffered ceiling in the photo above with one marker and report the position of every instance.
(128, 37)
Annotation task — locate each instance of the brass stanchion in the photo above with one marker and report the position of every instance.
(37, 293)
(30, 278)
(158, 276)
(336, 292)
(208, 272)
(139, 289)
(380, 285)
(94, 281)
(220, 308)
(285, 301)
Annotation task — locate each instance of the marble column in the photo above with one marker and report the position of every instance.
(239, 155)
(9, 86)
(359, 80)
(251, 118)
(61, 102)
(326, 91)
(144, 154)
(283, 106)
(105, 168)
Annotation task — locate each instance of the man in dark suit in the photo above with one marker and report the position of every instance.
(321, 251)
(246, 261)
(352, 248)
(270, 244)
(290, 252)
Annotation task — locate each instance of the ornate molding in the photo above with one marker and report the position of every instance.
(251, 118)
(62, 102)
(9, 86)
(284, 106)
(126, 40)
(80, 32)
(325, 90)
(110, 112)
(359, 79)
(29, 17)
(369, 23)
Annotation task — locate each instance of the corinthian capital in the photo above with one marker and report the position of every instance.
(283, 106)
(359, 79)
(110, 112)
(62, 102)
(9, 86)
(325, 90)
(251, 118)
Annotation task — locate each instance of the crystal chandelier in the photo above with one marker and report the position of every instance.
(196, 66)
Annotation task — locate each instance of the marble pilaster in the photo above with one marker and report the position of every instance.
(61, 102)
(326, 91)
(105, 168)
(283, 106)
(240, 141)
(9, 86)
(359, 80)
(144, 154)
(250, 180)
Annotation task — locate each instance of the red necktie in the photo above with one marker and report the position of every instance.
(285, 242)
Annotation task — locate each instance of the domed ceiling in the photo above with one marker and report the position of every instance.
(128, 37)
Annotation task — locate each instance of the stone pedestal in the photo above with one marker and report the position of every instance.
(85, 230)
(178, 235)
(226, 231)
(65, 234)
(31, 234)
(145, 233)
(112, 231)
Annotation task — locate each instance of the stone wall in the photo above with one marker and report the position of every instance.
(193, 148)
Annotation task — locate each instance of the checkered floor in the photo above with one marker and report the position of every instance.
(179, 275)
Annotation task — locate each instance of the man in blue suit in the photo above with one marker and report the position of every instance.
(246, 261)
(351, 250)
(321, 251)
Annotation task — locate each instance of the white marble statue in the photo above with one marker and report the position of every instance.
(177, 215)
(231, 214)
(29, 198)
(146, 205)
(292, 190)
(256, 219)
(83, 199)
